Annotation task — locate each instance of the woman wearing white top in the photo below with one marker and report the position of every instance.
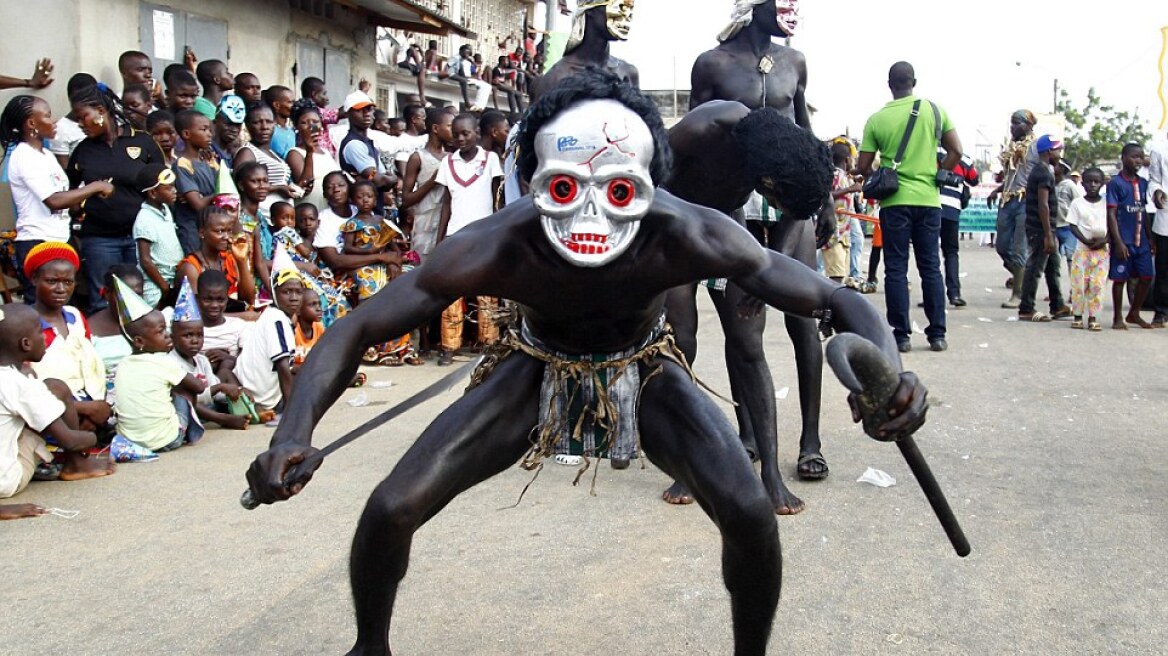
(306, 171)
(261, 125)
(40, 188)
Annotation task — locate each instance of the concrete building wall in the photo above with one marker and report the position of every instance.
(88, 35)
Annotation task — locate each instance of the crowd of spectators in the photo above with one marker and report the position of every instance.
(182, 246)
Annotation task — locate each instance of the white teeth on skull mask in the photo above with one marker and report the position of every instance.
(592, 185)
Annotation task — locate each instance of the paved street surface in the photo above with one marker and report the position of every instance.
(1048, 441)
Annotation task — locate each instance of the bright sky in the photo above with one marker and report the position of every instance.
(979, 59)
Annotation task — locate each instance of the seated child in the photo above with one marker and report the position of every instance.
(221, 250)
(187, 333)
(29, 407)
(222, 334)
(264, 366)
(153, 411)
(308, 328)
(155, 232)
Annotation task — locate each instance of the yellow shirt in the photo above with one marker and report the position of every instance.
(146, 413)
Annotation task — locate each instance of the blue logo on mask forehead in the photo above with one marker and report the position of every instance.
(566, 143)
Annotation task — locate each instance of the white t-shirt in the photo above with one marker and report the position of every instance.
(1091, 218)
(34, 176)
(199, 367)
(24, 401)
(471, 193)
(270, 340)
(69, 134)
(1158, 180)
(226, 336)
(408, 145)
(328, 232)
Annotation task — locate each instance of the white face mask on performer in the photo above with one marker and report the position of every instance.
(593, 185)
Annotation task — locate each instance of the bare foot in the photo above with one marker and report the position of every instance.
(785, 502)
(678, 494)
(21, 510)
(235, 422)
(1118, 324)
(78, 467)
(1137, 320)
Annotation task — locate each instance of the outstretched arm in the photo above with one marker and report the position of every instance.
(409, 302)
(792, 287)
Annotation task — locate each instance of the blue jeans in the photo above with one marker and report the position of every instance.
(98, 254)
(921, 227)
(1011, 242)
(856, 239)
(1067, 243)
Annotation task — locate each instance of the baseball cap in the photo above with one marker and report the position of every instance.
(232, 107)
(357, 100)
(1046, 143)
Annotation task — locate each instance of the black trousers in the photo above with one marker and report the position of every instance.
(950, 248)
(1159, 301)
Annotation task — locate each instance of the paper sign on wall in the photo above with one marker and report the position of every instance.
(163, 35)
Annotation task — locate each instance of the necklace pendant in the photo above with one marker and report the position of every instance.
(766, 64)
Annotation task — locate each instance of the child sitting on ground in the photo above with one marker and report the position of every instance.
(28, 407)
(187, 333)
(222, 334)
(153, 411)
(155, 232)
(264, 366)
(1087, 218)
(308, 327)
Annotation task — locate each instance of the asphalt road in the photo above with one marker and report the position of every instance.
(1049, 442)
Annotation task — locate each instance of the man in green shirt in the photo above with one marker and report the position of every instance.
(913, 213)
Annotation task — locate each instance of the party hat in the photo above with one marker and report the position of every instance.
(283, 268)
(224, 184)
(130, 306)
(185, 308)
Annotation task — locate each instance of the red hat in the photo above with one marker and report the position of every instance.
(46, 252)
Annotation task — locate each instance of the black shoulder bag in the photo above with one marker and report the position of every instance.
(883, 182)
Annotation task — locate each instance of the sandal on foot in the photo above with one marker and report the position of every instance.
(414, 360)
(1077, 323)
(390, 361)
(1093, 325)
(806, 473)
(1035, 317)
(371, 356)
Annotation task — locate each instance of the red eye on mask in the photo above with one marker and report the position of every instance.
(621, 192)
(563, 189)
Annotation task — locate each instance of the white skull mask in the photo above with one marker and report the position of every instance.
(788, 14)
(593, 185)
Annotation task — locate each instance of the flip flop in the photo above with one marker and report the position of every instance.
(1093, 325)
(806, 473)
(1034, 317)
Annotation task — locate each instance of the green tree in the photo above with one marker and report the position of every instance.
(1096, 132)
